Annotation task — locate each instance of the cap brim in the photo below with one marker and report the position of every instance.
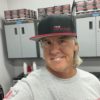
(38, 37)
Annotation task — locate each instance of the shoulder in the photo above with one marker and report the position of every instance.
(87, 76)
(89, 80)
(32, 78)
(35, 76)
(32, 81)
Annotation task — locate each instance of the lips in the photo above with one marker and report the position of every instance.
(57, 58)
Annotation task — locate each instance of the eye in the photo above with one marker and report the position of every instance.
(62, 41)
(46, 43)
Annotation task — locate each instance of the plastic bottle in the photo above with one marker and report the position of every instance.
(25, 68)
(34, 66)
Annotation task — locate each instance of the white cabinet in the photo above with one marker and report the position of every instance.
(98, 34)
(17, 39)
(88, 31)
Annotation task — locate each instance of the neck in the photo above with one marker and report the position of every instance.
(68, 73)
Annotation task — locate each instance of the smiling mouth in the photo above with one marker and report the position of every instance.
(57, 59)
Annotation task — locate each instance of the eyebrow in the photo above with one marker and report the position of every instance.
(65, 37)
(43, 39)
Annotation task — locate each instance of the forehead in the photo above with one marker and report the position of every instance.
(57, 37)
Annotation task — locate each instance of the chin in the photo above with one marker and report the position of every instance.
(58, 67)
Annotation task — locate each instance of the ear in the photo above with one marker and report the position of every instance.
(76, 47)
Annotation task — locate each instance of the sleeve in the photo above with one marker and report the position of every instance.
(21, 91)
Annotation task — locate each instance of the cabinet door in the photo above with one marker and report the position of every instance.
(13, 41)
(86, 36)
(41, 51)
(98, 34)
(28, 46)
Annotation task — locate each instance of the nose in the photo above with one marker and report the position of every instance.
(55, 48)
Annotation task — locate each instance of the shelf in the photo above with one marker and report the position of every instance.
(19, 21)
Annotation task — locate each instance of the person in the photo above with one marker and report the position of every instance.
(60, 78)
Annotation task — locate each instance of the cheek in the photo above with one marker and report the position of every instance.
(69, 51)
(69, 54)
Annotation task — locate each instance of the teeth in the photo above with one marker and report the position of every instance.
(57, 59)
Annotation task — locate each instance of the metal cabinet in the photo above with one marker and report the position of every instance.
(17, 40)
(98, 35)
(88, 31)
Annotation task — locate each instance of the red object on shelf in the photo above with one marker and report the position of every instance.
(29, 69)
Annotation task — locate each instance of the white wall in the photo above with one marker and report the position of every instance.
(3, 6)
(34, 4)
(5, 68)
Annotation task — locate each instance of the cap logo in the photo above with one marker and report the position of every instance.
(56, 27)
(61, 29)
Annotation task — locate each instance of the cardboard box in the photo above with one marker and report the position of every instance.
(66, 9)
(58, 9)
(8, 14)
(80, 6)
(41, 13)
(20, 14)
(90, 5)
(50, 11)
(97, 3)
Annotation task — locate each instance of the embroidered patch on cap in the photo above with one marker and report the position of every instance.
(61, 29)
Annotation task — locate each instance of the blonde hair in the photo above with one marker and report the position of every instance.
(77, 59)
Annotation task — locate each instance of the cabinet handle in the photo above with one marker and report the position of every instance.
(99, 24)
(23, 31)
(15, 29)
(90, 25)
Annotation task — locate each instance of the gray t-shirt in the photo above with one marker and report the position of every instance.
(42, 85)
